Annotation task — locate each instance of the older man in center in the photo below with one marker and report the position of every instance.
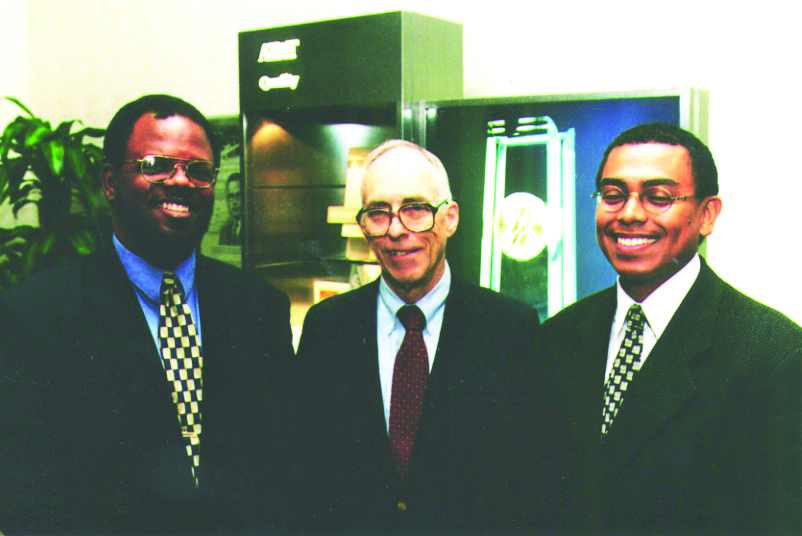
(414, 428)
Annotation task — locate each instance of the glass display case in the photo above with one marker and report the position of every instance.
(314, 99)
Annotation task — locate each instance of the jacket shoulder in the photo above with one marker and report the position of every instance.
(745, 319)
(490, 299)
(241, 281)
(52, 290)
(589, 305)
(341, 303)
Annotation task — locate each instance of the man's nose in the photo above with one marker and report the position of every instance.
(179, 176)
(396, 227)
(633, 209)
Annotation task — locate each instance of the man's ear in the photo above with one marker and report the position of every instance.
(109, 180)
(452, 218)
(710, 210)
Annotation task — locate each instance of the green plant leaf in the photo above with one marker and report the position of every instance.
(90, 132)
(83, 240)
(14, 132)
(19, 103)
(15, 172)
(3, 183)
(48, 243)
(19, 205)
(57, 171)
(63, 130)
(76, 161)
(36, 132)
(54, 153)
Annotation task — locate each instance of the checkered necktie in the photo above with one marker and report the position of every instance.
(181, 357)
(625, 365)
(410, 375)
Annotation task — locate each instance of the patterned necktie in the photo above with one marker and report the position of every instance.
(180, 350)
(410, 374)
(625, 365)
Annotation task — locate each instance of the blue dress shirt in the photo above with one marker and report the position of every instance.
(147, 280)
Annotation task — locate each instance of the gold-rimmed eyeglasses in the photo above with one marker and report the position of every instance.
(654, 200)
(158, 168)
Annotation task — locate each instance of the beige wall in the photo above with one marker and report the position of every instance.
(86, 57)
(14, 44)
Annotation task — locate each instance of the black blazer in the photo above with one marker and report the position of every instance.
(469, 443)
(708, 437)
(91, 442)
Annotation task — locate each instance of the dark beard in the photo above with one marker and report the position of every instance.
(165, 250)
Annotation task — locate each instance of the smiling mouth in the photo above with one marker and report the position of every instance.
(634, 241)
(400, 252)
(175, 208)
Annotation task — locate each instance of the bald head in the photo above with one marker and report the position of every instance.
(400, 154)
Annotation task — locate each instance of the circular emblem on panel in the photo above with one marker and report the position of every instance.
(522, 226)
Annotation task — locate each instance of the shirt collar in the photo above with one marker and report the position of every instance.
(147, 278)
(428, 304)
(659, 306)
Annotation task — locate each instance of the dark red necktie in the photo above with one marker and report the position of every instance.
(410, 374)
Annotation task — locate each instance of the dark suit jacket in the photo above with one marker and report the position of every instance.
(90, 434)
(468, 442)
(709, 435)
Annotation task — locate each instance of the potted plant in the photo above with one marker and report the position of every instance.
(57, 170)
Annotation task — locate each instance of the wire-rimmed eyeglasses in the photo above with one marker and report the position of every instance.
(654, 200)
(157, 168)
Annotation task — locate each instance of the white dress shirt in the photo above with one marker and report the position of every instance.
(658, 307)
(390, 331)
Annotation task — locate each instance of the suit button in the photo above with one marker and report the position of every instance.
(402, 506)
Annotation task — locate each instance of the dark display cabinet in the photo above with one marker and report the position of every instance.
(314, 99)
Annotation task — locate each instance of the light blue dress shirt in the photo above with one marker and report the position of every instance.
(147, 280)
(390, 331)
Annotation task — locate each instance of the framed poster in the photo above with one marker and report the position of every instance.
(223, 240)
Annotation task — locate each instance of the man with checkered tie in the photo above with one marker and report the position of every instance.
(677, 399)
(152, 376)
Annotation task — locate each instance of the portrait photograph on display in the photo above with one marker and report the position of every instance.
(223, 241)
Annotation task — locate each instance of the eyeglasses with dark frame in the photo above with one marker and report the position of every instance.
(654, 200)
(157, 168)
(415, 217)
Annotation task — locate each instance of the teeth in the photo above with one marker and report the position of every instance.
(634, 241)
(175, 207)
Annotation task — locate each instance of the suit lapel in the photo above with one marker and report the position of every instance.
(217, 333)
(666, 382)
(361, 344)
(117, 328)
(128, 374)
(453, 366)
(453, 363)
(581, 372)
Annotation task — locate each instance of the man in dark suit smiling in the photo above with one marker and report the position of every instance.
(414, 383)
(676, 399)
(143, 380)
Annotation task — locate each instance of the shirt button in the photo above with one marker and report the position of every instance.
(402, 506)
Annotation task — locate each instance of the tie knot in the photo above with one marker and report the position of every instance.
(170, 284)
(635, 318)
(411, 317)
